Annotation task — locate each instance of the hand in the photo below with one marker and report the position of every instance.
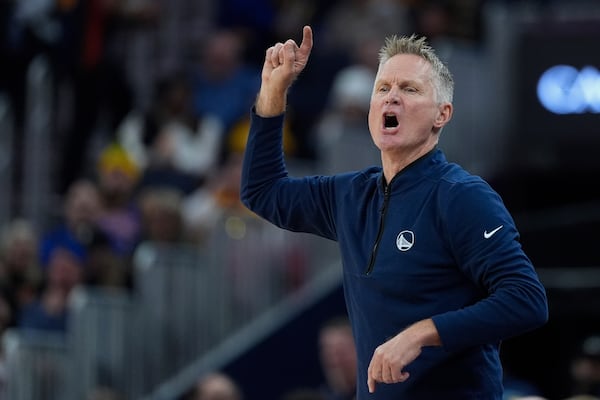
(390, 358)
(283, 63)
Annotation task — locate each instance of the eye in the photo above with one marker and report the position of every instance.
(410, 89)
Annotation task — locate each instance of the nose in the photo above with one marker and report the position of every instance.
(393, 96)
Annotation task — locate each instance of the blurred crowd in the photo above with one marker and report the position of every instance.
(150, 109)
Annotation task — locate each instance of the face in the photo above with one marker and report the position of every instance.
(404, 116)
(338, 357)
(83, 204)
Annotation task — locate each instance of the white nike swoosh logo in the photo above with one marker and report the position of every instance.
(487, 235)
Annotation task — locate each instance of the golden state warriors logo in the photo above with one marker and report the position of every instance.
(405, 240)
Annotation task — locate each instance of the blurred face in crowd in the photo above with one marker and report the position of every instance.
(82, 204)
(161, 214)
(19, 247)
(338, 358)
(217, 387)
(116, 186)
(64, 269)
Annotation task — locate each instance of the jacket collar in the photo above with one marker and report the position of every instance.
(414, 171)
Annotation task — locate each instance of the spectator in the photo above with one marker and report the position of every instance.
(104, 267)
(119, 218)
(50, 310)
(337, 355)
(20, 274)
(172, 144)
(77, 224)
(162, 220)
(215, 386)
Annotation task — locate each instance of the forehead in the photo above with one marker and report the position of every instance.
(405, 67)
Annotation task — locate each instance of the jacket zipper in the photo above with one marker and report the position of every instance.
(386, 198)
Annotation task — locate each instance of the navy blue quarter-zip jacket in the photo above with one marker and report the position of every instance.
(436, 242)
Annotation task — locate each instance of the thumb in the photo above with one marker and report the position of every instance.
(307, 40)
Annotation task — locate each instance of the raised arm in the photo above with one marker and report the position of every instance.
(283, 63)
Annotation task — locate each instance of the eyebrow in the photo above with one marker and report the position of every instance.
(401, 83)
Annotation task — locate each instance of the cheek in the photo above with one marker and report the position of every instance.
(422, 113)
(373, 131)
(373, 121)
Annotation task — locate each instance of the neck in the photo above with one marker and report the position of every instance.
(394, 163)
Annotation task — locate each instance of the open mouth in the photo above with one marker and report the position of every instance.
(390, 121)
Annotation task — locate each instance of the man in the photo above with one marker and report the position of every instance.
(434, 275)
(337, 354)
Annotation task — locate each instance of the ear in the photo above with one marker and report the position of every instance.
(444, 115)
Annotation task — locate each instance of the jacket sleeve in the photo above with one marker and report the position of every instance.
(298, 204)
(485, 242)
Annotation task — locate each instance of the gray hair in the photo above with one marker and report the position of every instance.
(442, 78)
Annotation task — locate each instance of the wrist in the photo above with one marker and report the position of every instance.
(270, 103)
(424, 333)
